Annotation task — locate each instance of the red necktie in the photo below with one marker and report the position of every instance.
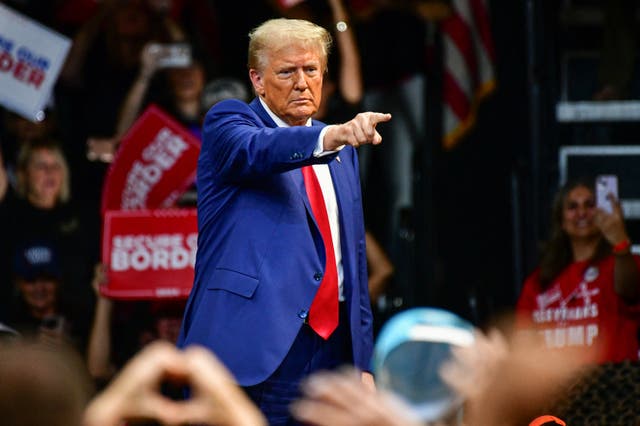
(323, 314)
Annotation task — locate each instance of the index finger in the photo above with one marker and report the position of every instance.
(379, 117)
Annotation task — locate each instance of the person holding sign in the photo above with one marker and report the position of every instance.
(280, 286)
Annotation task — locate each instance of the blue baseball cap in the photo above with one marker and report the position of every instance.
(35, 260)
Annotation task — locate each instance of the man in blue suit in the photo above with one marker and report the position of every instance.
(266, 259)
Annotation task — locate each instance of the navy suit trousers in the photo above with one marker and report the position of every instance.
(309, 353)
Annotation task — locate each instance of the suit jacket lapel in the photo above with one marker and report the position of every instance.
(295, 175)
(262, 113)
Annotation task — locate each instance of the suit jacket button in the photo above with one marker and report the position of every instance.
(317, 276)
(303, 314)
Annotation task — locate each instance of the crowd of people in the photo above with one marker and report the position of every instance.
(581, 303)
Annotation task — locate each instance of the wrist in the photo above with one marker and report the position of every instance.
(622, 247)
(145, 75)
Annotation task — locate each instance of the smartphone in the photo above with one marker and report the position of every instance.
(606, 185)
(173, 55)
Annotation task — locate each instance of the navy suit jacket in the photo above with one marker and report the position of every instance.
(260, 254)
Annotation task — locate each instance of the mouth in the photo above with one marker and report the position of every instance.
(583, 223)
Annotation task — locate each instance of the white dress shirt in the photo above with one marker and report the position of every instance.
(328, 193)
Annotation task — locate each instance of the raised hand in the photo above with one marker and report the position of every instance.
(135, 393)
(342, 399)
(611, 224)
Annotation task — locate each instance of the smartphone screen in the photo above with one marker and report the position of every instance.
(175, 55)
(606, 185)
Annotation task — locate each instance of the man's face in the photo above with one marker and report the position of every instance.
(290, 83)
(39, 294)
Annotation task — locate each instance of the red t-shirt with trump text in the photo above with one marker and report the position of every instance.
(580, 308)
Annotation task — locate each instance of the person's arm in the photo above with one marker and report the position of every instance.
(4, 179)
(627, 277)
(161, 10)
(239, 146)
(82, 42)
(380, 267)
(138, 90)
(104, 149)
(350, 77)
(626, 274)
(99, 347)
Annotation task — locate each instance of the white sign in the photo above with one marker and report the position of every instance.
(31, 56)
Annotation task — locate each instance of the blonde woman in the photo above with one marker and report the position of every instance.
(40, 208)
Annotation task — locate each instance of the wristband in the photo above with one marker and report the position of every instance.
(622, 247)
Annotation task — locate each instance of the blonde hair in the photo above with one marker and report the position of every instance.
(276, 33)
(24, 158)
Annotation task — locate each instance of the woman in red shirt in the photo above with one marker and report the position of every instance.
(586, 291)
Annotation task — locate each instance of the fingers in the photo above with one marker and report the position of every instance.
(368, 122)
(361, 130)
(135, 392)
(101, 149)
(378, 117)
(612, 224)
(342, 399)
(217, 398)
(333, 399)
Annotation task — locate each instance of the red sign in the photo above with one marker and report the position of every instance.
(150, 254)
(154, 165)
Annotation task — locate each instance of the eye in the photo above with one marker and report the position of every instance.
(572, 205)
(590, 203)
(284, 73)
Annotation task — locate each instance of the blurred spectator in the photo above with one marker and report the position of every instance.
(511, 379)
(379, 267)
(184, 85)
(37, 312)
(503, 381)
(40, 208)
(17, 131)
(100, 69)
(41, 386)
(122, 328)
(586, 291)
(223, 88)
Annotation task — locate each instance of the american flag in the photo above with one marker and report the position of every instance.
(469, 59)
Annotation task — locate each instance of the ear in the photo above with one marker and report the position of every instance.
(256, 81)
